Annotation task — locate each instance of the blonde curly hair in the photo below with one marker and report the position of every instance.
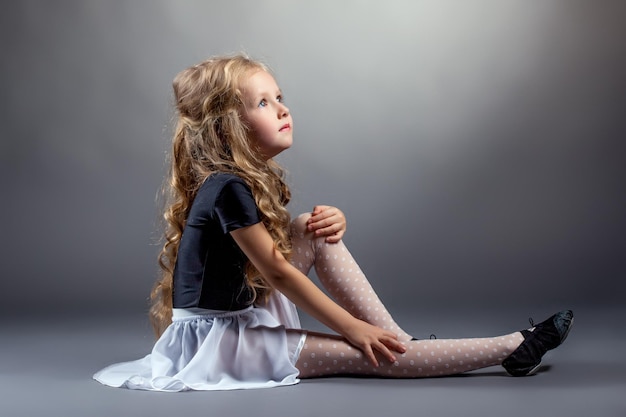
(211, 136)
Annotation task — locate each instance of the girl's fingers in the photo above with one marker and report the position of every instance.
(368, 350)
(370, 354)
(386, 352)
(319, 209)
(334, 238)
(388, 343)
(325, 217)
(327, 221)
(321, 212)
(325, 229)
(383, 346)
(333, 233)
(323, 220)
(395, 344)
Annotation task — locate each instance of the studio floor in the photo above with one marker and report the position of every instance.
(47, 363)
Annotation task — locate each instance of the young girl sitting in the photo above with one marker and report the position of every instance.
(234, 265)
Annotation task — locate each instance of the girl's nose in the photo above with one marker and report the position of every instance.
(283, 110)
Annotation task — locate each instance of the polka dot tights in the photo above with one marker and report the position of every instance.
(339, 273)
(325, 355)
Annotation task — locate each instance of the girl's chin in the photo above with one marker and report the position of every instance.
(276, 152)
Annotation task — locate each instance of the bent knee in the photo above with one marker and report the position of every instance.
(299, 224)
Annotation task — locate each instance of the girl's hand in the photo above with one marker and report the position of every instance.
(370, 338)
(327, 221)
(259, 247)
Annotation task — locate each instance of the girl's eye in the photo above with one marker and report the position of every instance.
(279, 99)
(262, 103)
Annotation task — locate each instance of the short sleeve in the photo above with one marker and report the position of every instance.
(235, 207)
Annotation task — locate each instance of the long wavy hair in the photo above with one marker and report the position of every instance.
(211, 136)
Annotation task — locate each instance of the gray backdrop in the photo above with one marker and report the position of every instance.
(477, 148)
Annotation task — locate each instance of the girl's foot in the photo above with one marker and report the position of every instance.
(539, 339)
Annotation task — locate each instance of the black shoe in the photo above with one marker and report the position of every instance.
(545, 336)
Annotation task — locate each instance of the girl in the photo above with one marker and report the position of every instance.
(234, 265)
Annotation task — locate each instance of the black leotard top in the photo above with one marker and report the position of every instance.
(210, 267)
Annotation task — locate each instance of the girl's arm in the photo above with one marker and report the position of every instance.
(258, 246)
(327, 221)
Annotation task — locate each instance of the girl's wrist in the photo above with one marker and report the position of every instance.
(348, 326)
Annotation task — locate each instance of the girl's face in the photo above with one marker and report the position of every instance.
(271, 126)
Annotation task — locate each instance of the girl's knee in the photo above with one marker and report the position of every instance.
(299, 224)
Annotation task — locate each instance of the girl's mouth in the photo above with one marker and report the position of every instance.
(285, 127)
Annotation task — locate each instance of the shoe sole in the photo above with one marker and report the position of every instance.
(534, 370)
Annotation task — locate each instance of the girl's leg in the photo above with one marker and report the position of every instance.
(327, 355)
(341, 276)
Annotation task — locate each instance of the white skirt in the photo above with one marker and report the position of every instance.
(218, 350)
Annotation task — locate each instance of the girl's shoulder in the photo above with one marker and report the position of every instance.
(216, 182)
(218, 179)
(226, 198)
